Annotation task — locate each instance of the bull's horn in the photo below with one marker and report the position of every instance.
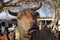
(39, 6)
(13, 13)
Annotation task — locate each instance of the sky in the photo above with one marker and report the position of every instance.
(46, 10)
(6, 15)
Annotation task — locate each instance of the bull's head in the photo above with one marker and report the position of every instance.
(27, 18)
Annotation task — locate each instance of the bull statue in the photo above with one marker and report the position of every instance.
(27, 21)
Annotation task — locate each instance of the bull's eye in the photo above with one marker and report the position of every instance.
(20, 17)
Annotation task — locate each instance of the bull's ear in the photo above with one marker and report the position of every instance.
(13, 13)
(36, 14)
